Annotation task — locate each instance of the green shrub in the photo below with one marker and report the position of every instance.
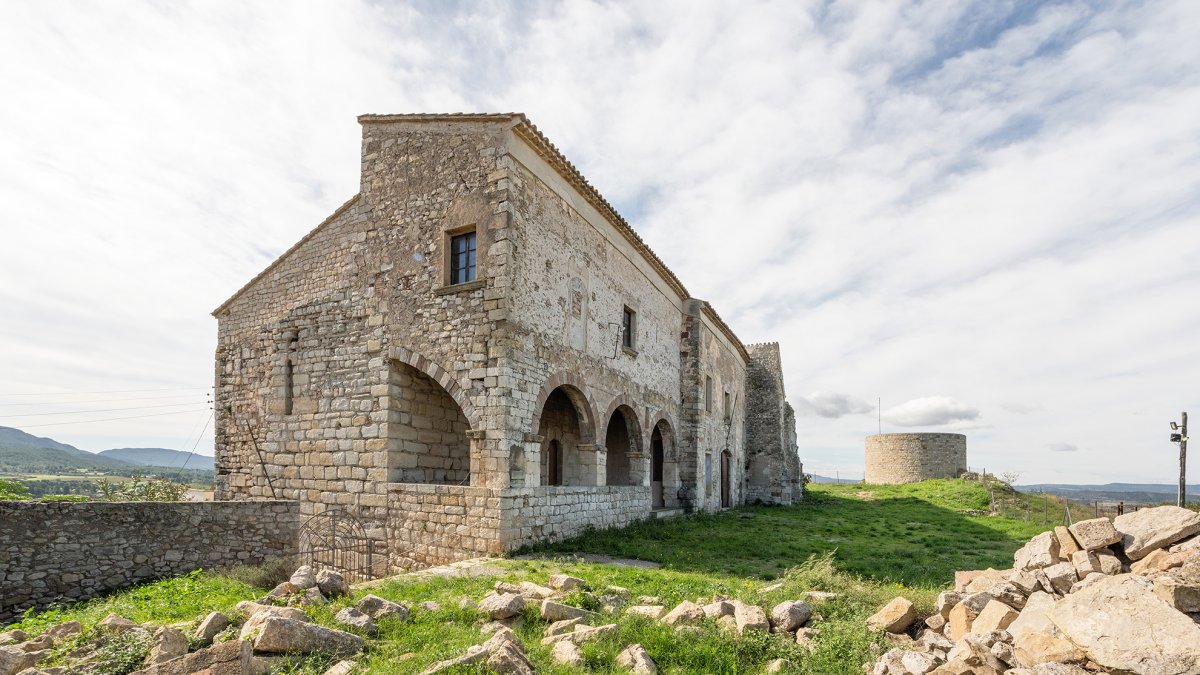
(141, 489)
(267, 575)
(11, 490)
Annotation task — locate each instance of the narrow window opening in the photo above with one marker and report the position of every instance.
(462, 258)
(728, 412)
(708, 394)
(289, 372)
(628, 328)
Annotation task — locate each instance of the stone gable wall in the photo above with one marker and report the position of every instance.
(61, 551)
(908, 458)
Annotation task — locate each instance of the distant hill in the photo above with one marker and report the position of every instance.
(159, 457)
(826, 480)
(1135, 493)
(22, 452)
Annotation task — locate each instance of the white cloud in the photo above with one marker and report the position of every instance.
(1063, 447)
(930, 411)
(831, 405)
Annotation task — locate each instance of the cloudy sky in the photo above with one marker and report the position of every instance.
(985, 215)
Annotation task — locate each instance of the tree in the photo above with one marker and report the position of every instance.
(11, 490)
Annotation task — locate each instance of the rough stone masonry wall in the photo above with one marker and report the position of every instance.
(57, 551)
(908, 458)
(774, 465)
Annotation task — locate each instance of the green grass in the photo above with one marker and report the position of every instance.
(865, 543)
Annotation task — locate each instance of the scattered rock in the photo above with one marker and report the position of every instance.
(995, 616)
(560, 627)
(946, 601)
(508, 659)
(787, 616)
(1062, 576)
(332, 584)
(1039, 552)
(776, 666)
(212, 624)
(635, 658)
(684, 613)
(114, 623)
(936, 622)
(649, 600)
(820, 596)
(349, 616)
(303, 578)
(750, 617)
(64, 630)
(13, 636)
(225, 658)
(252, 609)
(1032, 648)
(429, 606)
(168, 644)
(14, 660)
(312, 596)
(530, 589)
(1095, 533)
(986, 580)
(556, 611)
(1034, 618)
(342, 668)
(582, 634)
(1008, 593)
(1121, 625)
(283, 590)
(727, 624)
(651, 611)
(805, 638)
(378, 608)
(717, 609)
(1149, 563)
(502, 606)
(1066, 542)
(565, 583)
(567, 653)
(278, 635)
(894, 617)
(1183, 595)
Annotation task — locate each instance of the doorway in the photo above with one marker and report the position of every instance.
(656, 469)
(725, 462)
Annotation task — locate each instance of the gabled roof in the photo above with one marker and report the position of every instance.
(555, 158)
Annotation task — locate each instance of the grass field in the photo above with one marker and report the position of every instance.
(867, 544)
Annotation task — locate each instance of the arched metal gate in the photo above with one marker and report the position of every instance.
(336, 540)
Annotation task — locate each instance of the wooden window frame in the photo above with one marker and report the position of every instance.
(629, 330)
(448, 237)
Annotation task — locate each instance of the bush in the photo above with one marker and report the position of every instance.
(11, 490)
(267, 575)
(141, 489)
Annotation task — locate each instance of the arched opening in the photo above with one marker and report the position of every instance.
(563, 428)
(622, 441)
(726, 466)
(426, 431)
(656, 469)
(664, 468)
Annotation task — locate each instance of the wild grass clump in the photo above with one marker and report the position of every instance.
(267, 575)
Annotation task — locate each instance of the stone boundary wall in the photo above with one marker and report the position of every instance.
(61, 551)
(908, 458)
(439, 524)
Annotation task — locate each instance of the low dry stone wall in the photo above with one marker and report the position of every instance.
(439, 524)
(51, 552)
(909, 458)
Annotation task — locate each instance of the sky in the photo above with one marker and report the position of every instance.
(971, 216)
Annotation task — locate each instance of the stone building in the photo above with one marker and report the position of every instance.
(909, 458)
(477, 351)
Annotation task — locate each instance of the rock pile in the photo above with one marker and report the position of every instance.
(1096, 597)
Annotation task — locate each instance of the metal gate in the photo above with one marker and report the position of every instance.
(336, 540)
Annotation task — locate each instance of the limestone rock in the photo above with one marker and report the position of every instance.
(303, 578)
(1147, 530)
(1121, 625)
(1060, 669)
(894, 617)
(349, 616)
(530, 589)
(567, 654)
(115, 623)
(652, 611)
(64, 630)
(1033, 647)
(502, 606)
(277, 635)
(1062, 576)
(959, 623)
(332, 584)
(750, 617)
(995, 616)
(727, 624)
(38, 643)
(776, 666)
(225, 658)
(14, 660)
(312, 596)
(560, 627)
(918, 663)
(964, 577)
(1025, 581)
(1192, 543)
(946, 601)
(685, 612)
(212, 624)
(1149, 563)
(975, 602)
(378, 608)
(252, 609)
(1067, 544)
(936, 622)
(342, 668)
(13, 636)
(717, 609)
(636, 659)
(565, 583)
(1039, 552)
(820, 596)
(283, 590)
(1183, 595)
(581, 634)
(1035, 617)
(985, 580)
(556, 611)
(806, 636)
(1094, 533)
(789, 615)
(1008, 593)
(502, 587)
(508, 659)
(169, 643)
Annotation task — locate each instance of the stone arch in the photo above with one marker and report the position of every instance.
(575, 389)
(428, 434)
(567, 455)
(443, 378)
(624, 459)
(664, 466)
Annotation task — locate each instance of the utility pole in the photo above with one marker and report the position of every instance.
(1181, 438)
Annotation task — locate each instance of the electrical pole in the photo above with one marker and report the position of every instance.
(1183, 460)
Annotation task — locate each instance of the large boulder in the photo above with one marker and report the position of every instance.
(684, 613)
(225, 658)
(502, 606)
(303, 578)
(332, 584)
(14, 660)
(169, 643)
(1094, 533)
(749, 617)
(565, 582)
(1121, 625)
(995, 616)
(556, 611)
(378, 608)
(1041, 551)
(1148, 530)
(277, 635)
(894, 617)
(210, 627)
(349, 616)
(636, 659)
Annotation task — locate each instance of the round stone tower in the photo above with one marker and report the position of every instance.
(908, 458)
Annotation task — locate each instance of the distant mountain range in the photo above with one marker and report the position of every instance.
(1134, 493)
(21, 452)
(826, 480)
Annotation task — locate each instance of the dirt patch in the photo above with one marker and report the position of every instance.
(865, 495)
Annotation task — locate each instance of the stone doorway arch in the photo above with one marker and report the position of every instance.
(623, 448)
(564, 426)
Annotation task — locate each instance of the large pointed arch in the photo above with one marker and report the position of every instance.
(439, 375)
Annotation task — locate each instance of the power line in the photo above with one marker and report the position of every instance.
(111, 391)
(113, 419)
(99, 400)
(83, 412)
(195, 445)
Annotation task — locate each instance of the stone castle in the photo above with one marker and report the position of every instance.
(477, 352)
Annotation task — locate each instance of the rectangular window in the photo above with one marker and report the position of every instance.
(728, 412)
(628, 328)
(708, 468)
(708, 393)
(462, 258)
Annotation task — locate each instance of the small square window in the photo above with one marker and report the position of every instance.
(462, 258)
(628, 328)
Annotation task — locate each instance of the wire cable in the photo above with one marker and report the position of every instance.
(84, 412)
(98, 400)
(111, 391)
(113, 419)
